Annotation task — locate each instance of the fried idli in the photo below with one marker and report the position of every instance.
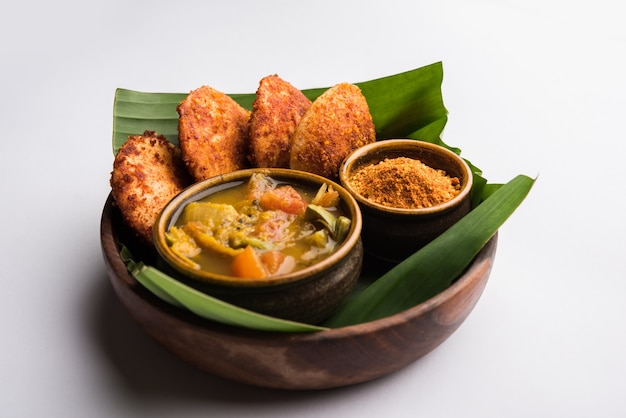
(148, 171)
(338, 122)
(276, 112)
(212, 133)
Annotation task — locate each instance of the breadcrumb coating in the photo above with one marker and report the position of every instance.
(212, 133)
(276, 112)
(338, 122)
(148, 171)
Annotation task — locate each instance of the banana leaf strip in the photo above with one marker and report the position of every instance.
(433, 268)
(178, 294)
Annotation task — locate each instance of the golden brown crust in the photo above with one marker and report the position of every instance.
(212, 132)
(276, 112)
(338, 122)
(148, 172)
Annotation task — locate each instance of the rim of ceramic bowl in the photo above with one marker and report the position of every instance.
(358, 155)
(206, 187)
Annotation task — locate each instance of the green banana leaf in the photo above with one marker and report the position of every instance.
(179, 294)
(205, 306)
(433, 268)
(405, 105)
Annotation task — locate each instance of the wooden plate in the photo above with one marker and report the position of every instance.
(327, 359)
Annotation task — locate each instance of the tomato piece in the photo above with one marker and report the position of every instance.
(248, 265)
(272, 260)
(284, 198)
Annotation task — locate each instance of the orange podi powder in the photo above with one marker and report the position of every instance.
(404, 183)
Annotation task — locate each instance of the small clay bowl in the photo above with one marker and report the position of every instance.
(393, 234)
(293, 361)
(308, 295)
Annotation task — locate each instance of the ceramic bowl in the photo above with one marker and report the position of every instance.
(308, 295)
(395, 233)
(293, 361)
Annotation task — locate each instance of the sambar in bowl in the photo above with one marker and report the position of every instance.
(280, 242)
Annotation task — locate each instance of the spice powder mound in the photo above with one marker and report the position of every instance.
(404, 183)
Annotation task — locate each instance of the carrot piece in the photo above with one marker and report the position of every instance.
(284, 198)
(247, 265)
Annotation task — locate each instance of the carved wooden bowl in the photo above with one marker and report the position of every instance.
(296, 361)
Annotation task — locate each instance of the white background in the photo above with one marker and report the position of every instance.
(533, 87)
